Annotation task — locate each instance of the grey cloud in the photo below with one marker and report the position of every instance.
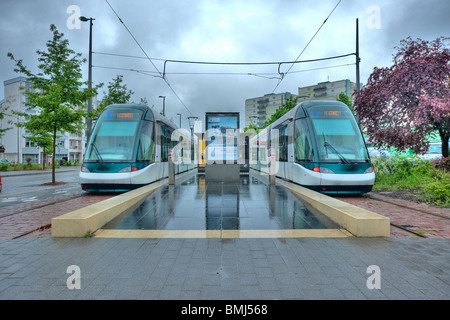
(217, 31)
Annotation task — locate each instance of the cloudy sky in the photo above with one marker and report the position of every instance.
(218, 31)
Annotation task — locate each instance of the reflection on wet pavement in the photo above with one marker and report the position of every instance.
(193, 204)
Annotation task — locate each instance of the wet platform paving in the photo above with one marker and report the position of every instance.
(263, 268)
(193, 204)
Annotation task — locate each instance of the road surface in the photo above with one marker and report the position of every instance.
(26, 187)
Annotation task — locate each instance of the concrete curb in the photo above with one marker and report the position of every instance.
(358, 221)
(84, 221)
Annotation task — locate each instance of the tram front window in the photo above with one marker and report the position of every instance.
(112, 141)
(339, 140)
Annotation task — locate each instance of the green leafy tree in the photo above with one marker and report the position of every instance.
(288, 105)
(345, 99)
(56, 94)
(117, 93)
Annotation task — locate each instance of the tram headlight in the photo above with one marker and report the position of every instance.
(84, 169)
(128, 169)
(369, 170)
(322, 170)
(325, 170)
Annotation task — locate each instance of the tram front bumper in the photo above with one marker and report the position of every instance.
(346, 183)
(105, 181)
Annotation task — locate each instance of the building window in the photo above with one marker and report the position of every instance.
(33, 157)
(29, 144)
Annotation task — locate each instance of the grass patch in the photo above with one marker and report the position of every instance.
(428, 182)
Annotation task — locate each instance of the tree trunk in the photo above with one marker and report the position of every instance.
(444, 138)
(54, 154)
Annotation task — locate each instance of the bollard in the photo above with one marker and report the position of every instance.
(272, 171)
(171, 171)
(272, 178)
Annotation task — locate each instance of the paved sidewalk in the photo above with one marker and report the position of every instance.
(225, 269)
(32, 172)
(36, 266)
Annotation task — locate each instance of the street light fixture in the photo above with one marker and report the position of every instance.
(191, 124)
(89, 120)
(164, 105)
(179, 114)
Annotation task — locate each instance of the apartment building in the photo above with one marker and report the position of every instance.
(259, 109)
(326, 90)
(17, 147)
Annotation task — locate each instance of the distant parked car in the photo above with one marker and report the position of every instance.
(374, 152)
(5, 162)
(434, 152)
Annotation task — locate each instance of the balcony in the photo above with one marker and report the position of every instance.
(320, 94)
(320, 87)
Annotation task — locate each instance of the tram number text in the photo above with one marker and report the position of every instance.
(245, 309)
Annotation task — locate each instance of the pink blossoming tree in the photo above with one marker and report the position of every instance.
(402, 105)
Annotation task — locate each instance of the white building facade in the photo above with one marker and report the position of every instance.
(17, 148)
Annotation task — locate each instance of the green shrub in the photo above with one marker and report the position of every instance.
(438, 191)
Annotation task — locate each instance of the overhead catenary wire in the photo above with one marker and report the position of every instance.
(227, 63)
(263, 75)
(151, 61)
(280, 77)
(300, 54)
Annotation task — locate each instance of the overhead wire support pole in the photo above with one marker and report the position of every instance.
(358, 86)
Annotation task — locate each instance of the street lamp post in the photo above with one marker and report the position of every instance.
(89, 119)
(191, 125)
(164, 105)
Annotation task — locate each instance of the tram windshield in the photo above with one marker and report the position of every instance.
(337, 135)
(114, 137)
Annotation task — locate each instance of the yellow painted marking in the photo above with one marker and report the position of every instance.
(224, 234)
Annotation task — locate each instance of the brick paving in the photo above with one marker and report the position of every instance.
(20, 219)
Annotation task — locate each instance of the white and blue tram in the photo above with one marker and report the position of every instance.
(129, 148)
(318, 145)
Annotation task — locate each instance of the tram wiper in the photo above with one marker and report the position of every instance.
(100, 159)
(327, 144)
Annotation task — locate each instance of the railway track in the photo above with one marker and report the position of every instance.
(20, 208)
(19, 215)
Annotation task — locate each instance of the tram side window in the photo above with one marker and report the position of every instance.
(146, 148)
(303, 146)
(283, 144)
(166, 142)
